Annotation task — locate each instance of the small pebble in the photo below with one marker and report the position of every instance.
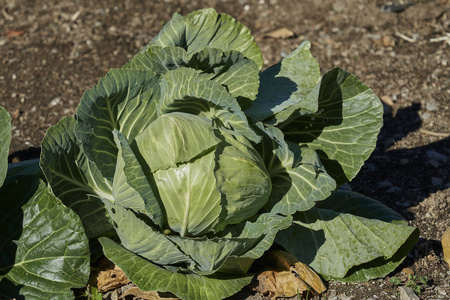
(404, 161)
(394, 189)
(55, 101)
(431, 105)
(385, 184)
(436, 181)
(436, 156)
(407, 293)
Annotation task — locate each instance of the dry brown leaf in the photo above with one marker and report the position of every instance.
(150, 295)
(446, 246)
(280, 284)
(111, 279)
(292, 277)
(282, 33)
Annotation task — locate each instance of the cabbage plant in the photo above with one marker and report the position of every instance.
(189, 162)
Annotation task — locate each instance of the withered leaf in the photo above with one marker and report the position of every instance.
(290, 278)
(111, 279)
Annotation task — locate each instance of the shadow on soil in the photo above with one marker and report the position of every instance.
(414, 173)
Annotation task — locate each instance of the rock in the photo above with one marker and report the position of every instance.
(431, 105)
(339, 6)
(385, 184)
(407, 293)
(435, 181)
(394, 189)
(431, 154)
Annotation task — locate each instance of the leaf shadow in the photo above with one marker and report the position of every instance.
(15, 192)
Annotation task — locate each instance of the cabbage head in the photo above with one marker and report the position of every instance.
(188, 162)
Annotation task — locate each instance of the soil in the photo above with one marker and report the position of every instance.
(51, 51)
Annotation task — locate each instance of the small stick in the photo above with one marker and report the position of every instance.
(406, 38)
(446, 37)
(443, 134)
(6, 15)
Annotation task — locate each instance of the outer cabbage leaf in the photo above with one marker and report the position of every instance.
(73, 177)
(241, 177)
(207, 28)
(5, 139)
(369, 243)
(44, 248)
(131, 186)
(123, 100)
(287, 87)
(298, 177)
(344, 130)
(231, 69)
(141, 239)
(183, 90)
(150, 277)
(265, 227)
(210, 254)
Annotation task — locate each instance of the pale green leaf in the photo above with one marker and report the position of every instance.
(183, 90)
(241, 177)
(298, 177)
(73, 177)
(5, 139)
(175, 138)
(150, 277)
(231, 69)
(143, 240)
(210, 254)
(131, 187)
(207, 28)
(285, 87)
(44, 248)
(124, 100)
(265, 228)
(188, 192)
(344, 130)
(345, 246)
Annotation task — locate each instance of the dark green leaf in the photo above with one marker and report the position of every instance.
(150, 277)
(73, 177)
(298, 177)
(5, 139)
(44, 248)
(369, 243)
(207, 28)
(344, 130)
(287, 87)
(123, 100)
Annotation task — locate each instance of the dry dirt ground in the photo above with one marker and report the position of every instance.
(53, 50)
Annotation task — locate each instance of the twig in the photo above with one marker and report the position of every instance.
(75, 16)
(443, 134)
(446, 37)
(406, 38)
(6, 15)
